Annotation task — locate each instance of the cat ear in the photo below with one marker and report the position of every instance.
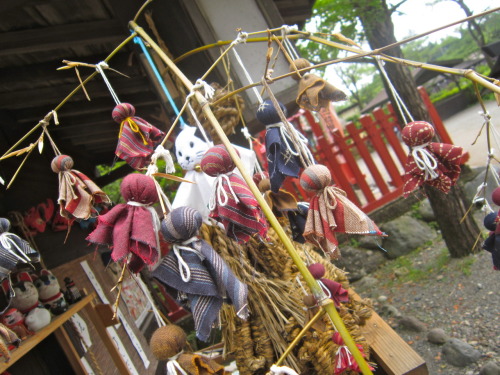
(200, 135)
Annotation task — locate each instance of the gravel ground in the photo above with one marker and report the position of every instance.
(461, 296)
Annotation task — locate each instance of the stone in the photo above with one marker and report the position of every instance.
(411, 323)
(437, 336)
(382, 299)
(390, 311)
(401, 271)
(367, 282)
(358, 262)
(459, 354)
(369, 242)
(490, 368)
(425, 211)
(405, 234)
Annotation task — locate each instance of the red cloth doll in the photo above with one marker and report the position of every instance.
(431, 163)
(132, 228)
(232, 203)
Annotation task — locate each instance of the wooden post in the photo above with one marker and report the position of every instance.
(309, 279)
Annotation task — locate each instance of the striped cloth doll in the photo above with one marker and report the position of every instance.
(137, 139)
(78, 194)
(331, 211)
(431, 163)
(193, 269)
(231, 201)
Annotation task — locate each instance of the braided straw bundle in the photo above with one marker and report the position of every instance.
(276, 308)
(226, 112)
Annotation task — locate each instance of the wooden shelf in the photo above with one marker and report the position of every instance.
(56, 323)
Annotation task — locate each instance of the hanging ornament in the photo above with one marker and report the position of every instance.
(283, 149)
(344, 359)
(332, 289)
(137, 139)
(231, 201)
(283, 204)
(78, 194)
(132, 228)
(314, 92)
(193, 269)
(431, 163)
(331, 211)
(13, 250)
(492, 223)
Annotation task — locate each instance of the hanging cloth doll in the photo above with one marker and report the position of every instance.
(195, 270)
(314, 92)
(78, 194)
(331, 211)
(283, 204)
(137, 138)
(132, 228)
(344, 360)
(332, 289)
(283, 154)
(431, 163)
(492, 223)
(13, 250)
(231, 201)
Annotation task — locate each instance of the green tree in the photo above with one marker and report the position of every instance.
(374, 18)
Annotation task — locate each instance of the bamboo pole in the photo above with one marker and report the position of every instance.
(316, 289)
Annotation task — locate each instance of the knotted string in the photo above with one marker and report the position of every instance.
(100, 69)
(399, 102)
(163, 154)
(343, 351)
(208, 94)
(173, 365)
(285, 30)
(218, 194)
(242, 38)
(425, 161)
(6, 242)
(299, 141)
(184, 270)
(134, 127)
(328, 294)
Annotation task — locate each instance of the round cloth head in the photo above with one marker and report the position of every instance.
(264, 185)
(315, 177)
(139, 188)
(122, 111)
(4, 225)
(259, 176)
(317, 270)
(167, 341)
(61, 163)
(300, 63)
(181, 224)
(309, 300)
(495, 196)
(337, 339)
(217, 161)
(490, 221)
(417, 133)
(267, 114)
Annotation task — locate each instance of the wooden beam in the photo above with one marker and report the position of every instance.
(61, 36)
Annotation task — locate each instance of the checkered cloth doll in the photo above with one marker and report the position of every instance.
(331, 211)
(132, 228)
(137, 138)
(231, 201)
(78, 194)
(431, 163)
(13, 250)
(195, 270)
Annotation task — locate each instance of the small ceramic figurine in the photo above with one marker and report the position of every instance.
(49, 292)
(72, 294)
(37, 319)
(14, 320)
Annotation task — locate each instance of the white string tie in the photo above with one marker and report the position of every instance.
(246, 133)
(183, 266)
(6, 242)
(285, 30)
(100, 68)
(343, 351)
(198, 123)
(218, 194)
(286, 136)
(207, 89)
(161, 153)
(486, 116)
(325, 289)
(173, 365)
(247, 75)
(425, 161)
(241, 38)
(282, 370)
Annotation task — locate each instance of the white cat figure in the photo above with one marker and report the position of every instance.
(189, 150)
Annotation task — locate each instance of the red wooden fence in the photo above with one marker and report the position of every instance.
(366, 158)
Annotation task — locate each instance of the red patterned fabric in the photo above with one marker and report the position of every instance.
(78, 194)
(137, 139)
(344, 359)
(331, 211)
(233, 203)
(444, 159)
(130, 229)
